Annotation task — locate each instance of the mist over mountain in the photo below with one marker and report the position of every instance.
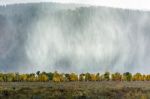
(73, 38)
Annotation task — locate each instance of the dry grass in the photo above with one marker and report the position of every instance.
(75, 90)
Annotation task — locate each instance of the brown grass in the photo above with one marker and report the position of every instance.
(75, 90)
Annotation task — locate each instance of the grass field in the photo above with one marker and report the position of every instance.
(75, 90)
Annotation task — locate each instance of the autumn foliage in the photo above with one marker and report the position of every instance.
(65, 77)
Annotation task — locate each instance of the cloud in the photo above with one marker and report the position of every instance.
(125, 4)
(74, 38)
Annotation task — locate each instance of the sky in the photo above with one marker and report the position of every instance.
(73, 38)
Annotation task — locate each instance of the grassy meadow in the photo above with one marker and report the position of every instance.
(75, 90)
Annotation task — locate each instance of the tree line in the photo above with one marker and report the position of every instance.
(64, 77)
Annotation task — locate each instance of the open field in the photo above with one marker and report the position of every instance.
(75, 90)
